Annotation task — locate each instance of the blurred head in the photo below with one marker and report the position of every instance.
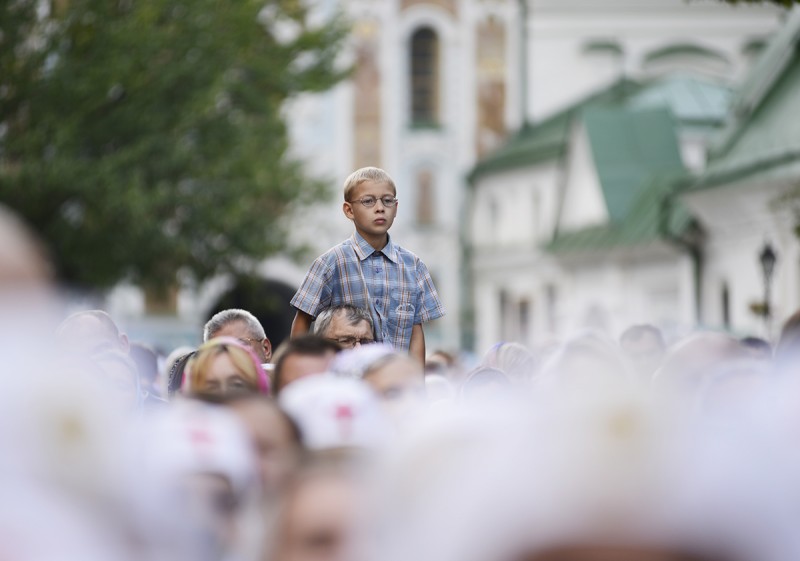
(120, 376)
(301, 357)
(90, 331)
(204, 453)
(733, 389)
(757, 348)
(146, 361)
(275, 438)
(347, 325)
(690, 361)
(439, 362)
(224, 367)
(318, 515)
(335, 414)
(515, 360)
(643, 346)
(587, 362)
(485, 383)
(399, 382)
(241, 325)
(24, 263)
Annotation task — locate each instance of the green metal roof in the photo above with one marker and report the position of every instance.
(629, 148)
(690, 99)
(548, 139)
(649, 216)
(763, 131)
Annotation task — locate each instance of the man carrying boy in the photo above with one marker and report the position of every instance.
(372, 272)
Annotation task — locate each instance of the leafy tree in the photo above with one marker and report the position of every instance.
(144, 137)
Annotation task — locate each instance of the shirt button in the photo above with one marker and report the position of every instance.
(377, 301)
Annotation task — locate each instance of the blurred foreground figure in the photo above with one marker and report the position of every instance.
(24, 264)
(204, 455)
(397, 379)
(514, 360)
(690, 362)
(28, 305)
(275, 438)
(90, 331)
(644, 347)
(336, 414)
(598, 477)
(586, 361)
(318, 514)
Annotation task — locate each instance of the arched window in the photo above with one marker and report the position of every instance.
(424, 76)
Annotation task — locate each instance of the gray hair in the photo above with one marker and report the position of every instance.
(353, 314)
(225, 317)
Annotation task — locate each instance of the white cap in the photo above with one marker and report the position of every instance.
(335, 412)
(194, 437)
(354, 363)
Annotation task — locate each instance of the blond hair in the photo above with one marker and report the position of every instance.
(376, 175)
(200, 364)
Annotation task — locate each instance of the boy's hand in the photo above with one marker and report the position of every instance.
(300, 324)
(417, 347)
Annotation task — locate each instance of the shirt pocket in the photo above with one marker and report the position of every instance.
(402, 311)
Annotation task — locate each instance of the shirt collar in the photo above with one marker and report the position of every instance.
(364, 250)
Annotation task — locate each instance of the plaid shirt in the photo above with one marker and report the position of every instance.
(392, 283)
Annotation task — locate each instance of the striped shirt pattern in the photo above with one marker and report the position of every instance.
(392, 283)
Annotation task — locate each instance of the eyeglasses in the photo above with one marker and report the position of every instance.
(350, 342)
(248, 341)
(369, 202)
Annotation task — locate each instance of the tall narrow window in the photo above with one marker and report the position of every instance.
(424, 76)
(726, 306)
(524, 320)
(425, 198)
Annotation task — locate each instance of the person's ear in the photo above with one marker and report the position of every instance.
(267, 349)
(124, 343)
(347, 208)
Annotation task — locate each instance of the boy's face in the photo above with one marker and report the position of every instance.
(371, 222)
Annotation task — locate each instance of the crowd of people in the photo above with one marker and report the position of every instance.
(342, 445)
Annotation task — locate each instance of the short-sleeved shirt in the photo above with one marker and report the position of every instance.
(392, 283)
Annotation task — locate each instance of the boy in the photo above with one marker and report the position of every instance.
(370, 271)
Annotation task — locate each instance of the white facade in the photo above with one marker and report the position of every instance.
(576, 47)
(739, 219)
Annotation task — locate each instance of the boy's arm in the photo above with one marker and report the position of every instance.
(302, 322)
(417, 347)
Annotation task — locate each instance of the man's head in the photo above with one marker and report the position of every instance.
(370, 199)
(91, 331)
(242, 325)
(644, 347)
(301, 357)
(347, 325)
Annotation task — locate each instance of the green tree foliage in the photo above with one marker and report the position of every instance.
(144, 137)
